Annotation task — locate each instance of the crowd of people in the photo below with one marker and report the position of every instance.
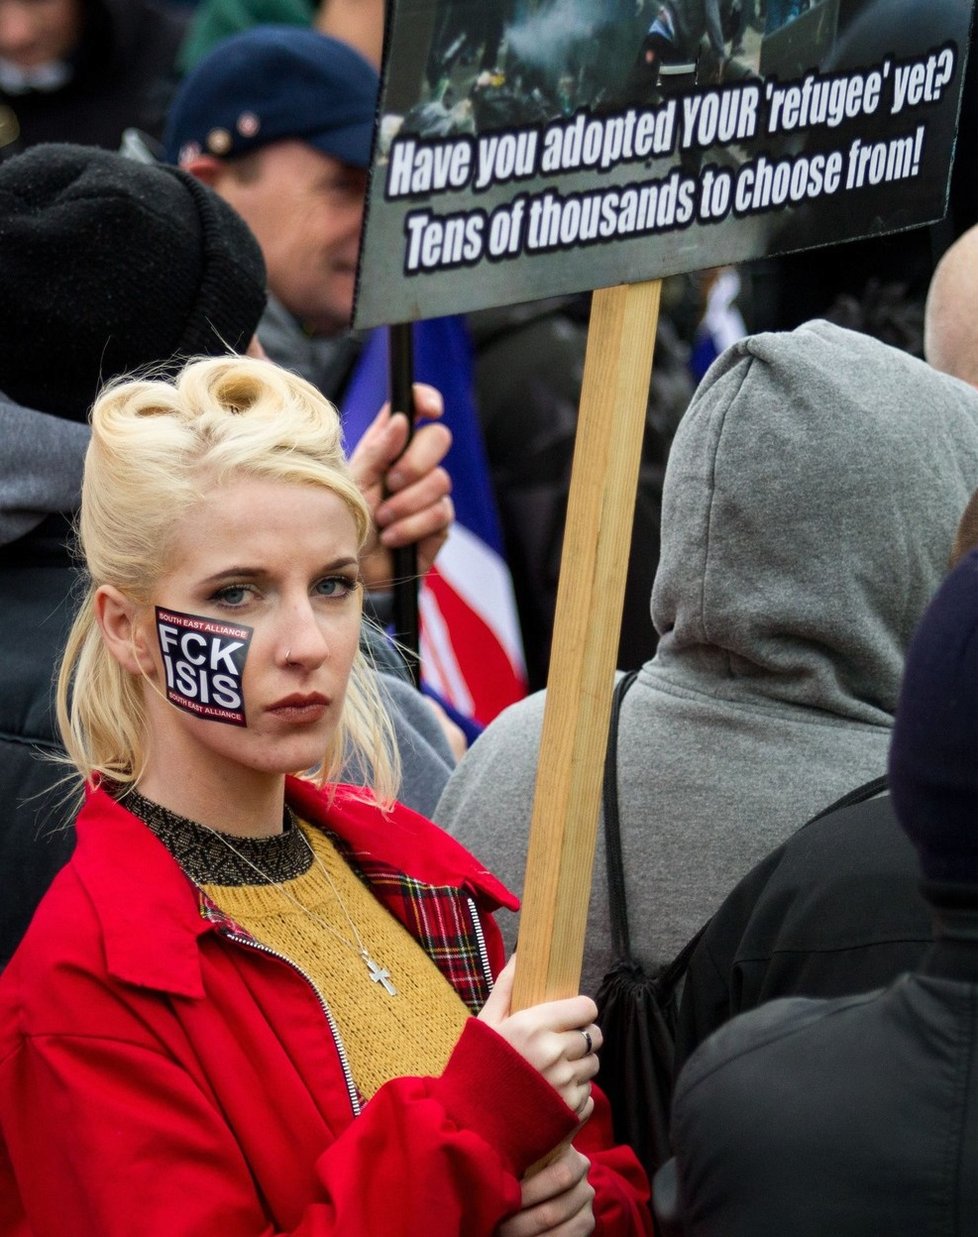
(258, 892)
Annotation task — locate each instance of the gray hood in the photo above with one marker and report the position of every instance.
(810, 504)
(41, 465)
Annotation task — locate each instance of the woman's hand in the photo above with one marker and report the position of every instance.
(556, 1200)
(558, 1038)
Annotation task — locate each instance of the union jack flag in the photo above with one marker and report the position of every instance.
(471, 649)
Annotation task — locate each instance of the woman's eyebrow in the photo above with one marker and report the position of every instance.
(262, 573)
(237, 573)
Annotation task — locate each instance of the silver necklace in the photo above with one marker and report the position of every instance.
(378, 974)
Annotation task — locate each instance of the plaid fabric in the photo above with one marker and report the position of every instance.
(445, 924)
(441, 918)
(213, 914)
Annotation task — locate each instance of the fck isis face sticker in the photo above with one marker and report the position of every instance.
(203, 660)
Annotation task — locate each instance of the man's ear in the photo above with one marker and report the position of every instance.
(206, 168)
(124, 636)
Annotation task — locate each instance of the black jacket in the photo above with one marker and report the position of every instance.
(854, 1117)
(37, 588)
(833, 911)
(123, 76)
(529, 365)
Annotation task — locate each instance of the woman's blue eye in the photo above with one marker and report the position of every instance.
(335, 586)
(233, 595)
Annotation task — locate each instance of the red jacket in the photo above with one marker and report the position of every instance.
(162, 1074)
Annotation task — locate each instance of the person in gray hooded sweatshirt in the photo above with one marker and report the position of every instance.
(809, 507)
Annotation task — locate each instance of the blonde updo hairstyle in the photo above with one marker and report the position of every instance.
(158, 446)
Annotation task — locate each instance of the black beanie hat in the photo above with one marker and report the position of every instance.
(108, 265)
(934, 751)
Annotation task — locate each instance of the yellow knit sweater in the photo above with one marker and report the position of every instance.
(385, 1036)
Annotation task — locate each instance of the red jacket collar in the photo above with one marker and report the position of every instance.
(150, 913)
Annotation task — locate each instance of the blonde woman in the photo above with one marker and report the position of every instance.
(257, 1002)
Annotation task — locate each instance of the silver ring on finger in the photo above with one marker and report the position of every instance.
(587, 1040)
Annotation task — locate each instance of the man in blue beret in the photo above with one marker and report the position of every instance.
(278, 120)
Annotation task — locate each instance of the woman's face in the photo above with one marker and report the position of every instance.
(252, 635)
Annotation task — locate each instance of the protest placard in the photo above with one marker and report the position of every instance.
(527, 149)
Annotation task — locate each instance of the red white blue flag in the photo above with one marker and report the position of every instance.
(471, 650)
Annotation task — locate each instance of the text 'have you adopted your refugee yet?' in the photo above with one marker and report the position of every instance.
(724, 117)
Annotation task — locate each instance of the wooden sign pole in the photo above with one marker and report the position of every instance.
(600, 513)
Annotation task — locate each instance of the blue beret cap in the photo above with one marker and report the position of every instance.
(271, 83)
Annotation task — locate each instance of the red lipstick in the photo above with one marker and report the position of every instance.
(299, 707)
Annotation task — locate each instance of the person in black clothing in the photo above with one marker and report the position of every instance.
(681, 31)
(165, 268)
(84, 70)
(834, 911)
(859, 1115)
(529, 366)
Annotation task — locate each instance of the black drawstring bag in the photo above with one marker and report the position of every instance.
(636, 1011)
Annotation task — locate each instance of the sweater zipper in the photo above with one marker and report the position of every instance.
(481, 941)
(334, 1029)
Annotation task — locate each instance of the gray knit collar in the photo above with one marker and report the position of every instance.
(208, 860)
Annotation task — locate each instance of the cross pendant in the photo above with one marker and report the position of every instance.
(379, 974)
